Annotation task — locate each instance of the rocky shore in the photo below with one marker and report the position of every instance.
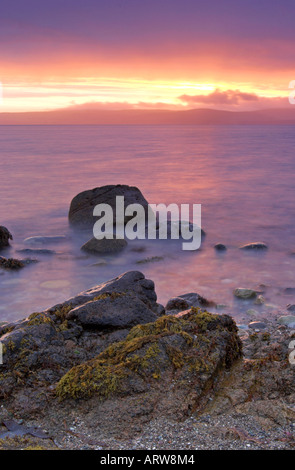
(111, 368)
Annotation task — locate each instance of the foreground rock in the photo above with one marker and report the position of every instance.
(81, 208)
(5, 236)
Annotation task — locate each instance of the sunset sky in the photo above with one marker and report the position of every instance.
(173, 54)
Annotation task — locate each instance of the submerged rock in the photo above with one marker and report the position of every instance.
(243, 293)
(36, 251)
(151, 259)
(82, 205)
(41, 240)
(220, 247)
(11, 263)
(5, 236)
(254, 246)
(105, 245)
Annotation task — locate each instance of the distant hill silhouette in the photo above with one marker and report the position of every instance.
(151, 117)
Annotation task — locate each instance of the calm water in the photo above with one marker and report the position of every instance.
(242, 175)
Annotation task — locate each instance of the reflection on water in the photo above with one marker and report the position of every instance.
(242, 175)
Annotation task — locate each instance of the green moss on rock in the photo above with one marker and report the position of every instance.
(191, 344)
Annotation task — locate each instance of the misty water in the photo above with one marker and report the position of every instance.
(243, 176)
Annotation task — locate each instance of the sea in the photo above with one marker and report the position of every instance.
(243, 177)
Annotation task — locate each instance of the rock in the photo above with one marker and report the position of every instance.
(259, 300)
(122, 303)
(252, 312)
(36, 251)
(112, 310)
(254, 246)
(11, 263)
(242, 293)
(161, 368)
(220, 247)
(178, 304)
(291, 307)
(257, 325)
(40, 240)
(5, 236)
(105, 245)
(288, 320)
(151, 259)
(186, 301)
(82, 205)
(133, 282)
(289, 290)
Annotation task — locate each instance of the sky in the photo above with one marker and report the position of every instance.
(121, 54)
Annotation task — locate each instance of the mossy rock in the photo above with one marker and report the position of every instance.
(189, 350)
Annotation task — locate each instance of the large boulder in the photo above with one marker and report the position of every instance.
(5, 236)
(81, 208)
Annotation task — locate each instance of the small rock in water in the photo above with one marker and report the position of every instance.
(220, 247)
(104, 246)
(242, 293)
(11, 263)
(254, 246)
(252, 312)
(36, 251)
(151, 259)
(289, 290)
(260, 300)
(42, 240)
(5, 236)
(257, 325)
